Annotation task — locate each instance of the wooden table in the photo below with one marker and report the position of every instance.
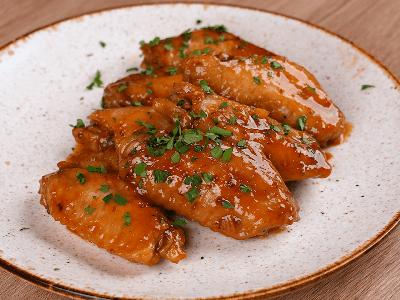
(371, 24)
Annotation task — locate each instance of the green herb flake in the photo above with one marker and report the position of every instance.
(223, 104)
(312, 89)
(276, 65)
(96, 81)
(275, 128)
(194, 159)
(216, 122)
(301, 122)
(245, 189)
(104, 188)
(227, 155)
(232, 120)
(192, 135)
(140, 169)
(269, 74)
(201, 115)
(132, 69)
(91, 211)
(221, 38)
(180, 103)
(154, 42)
(199, 21)
(205, 87)
(107, 198)
(207, 177)
(179, 222)
(150, 127)
(187, 34)
(149, 70)
(81, 177)
(79, 123)
(257, 80)
(242, 144)
(142, 43)
(56, 269)
(197, 52)
(267, 133)
(264, 60)
(102, 104)
(181, 148)
(227, 204)
(286, 128)
(175, 157)
(102, 44)
(93, 169)
(255, 117)
(206, 50)
(169, 47)
(198, 148)
(140, 184)
(160, 176)
(168, 40)
(192, 194)
(149, 92)
(305, 140)
(366, 86)
(137, 103)
(134, 151)
(220, 28)
(219, 131)
(120, 200)
(172, 70)
(127, 218)
(162, 221)
(216, 152)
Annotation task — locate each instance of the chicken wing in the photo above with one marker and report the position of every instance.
(289, 92)
(171, 51)
(295, 154)
(105, 210)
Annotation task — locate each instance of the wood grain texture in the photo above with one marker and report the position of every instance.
(372, 25)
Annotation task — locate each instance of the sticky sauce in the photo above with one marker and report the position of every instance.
(348, 128)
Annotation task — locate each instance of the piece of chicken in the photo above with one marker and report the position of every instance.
(105, 210)
(283, 88)
(171, 51)
(141, 89)
(238, 193)
(295, 154)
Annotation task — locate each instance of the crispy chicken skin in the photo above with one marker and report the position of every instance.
(283, 88)
(295, 154)
(142, 88)
(133, 230)
(224, 205)
(171, 52)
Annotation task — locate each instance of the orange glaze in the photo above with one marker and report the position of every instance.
(282, 91)
(140, 89)
(147, 238)
(269, 204)
(293, 157)
(348, 128)
(198, 40)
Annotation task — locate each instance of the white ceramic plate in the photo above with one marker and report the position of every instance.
(43, 77)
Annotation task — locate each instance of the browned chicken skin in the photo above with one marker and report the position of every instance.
(171, 52)
(295, 154)
(123, 224)
(283, 88)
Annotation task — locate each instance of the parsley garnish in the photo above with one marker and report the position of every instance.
(367, 86)
(56, 269)
(216, 122)
(257, 80)
(241, 144)
(192, 135)
(96, 81)
(275, 128)
(301, 122)
(150, 127)
(154, 42)
(216, 152)
(149, 92)
(194, 180)
(175, 157)
(181, 148)
(169, 47)
(93, 169)
(149, 70)
(104, 188)
(79, 123)
(127, 218)
(206, 50)
(197, 52)
(107, 198)
(220, 28)
(187, 34)
(245, 189)
(160, 176)
(121, 88)
(120, 200)
(207, 177)
(199, 21)
(142, 43)
(81, 177)
(255, 117)
(276, 65)
(219, 131)
(205, 87)
(312, 89)
(172, 70)
(140, 169)
(102, 44)
(227, 204)
(179, 222)
(269, 74)
(202, 114)
(137, 103)
(264, 60)
(132, 69)
(194, 159)
(140, 184)
(192, 194)
(305, 140)
(223, 104)
(227, 155)
(180, 102)
(232, 120)
(134, 151)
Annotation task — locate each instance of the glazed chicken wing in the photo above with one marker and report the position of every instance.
(283, 88)
(104, 210)
(171, 51)
(295, 154)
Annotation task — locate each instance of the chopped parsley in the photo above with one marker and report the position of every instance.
(269, 74)
(104, 188)
(286, 128)
(132, 69)
(93, 169)
(180, 103)
(219, 131)
(257, 80)
(140, 184)
(89, 210)
(194, 159)
(150, 127)
(126, 165)
(102, 44)
(255, 117)
(232, 120)
(301, 122)
(202, 114)
(79, 123)
(216, 122)
(81, 177)
(199, 21)
(227, 204)
(216, 152)
(137, 103)
(149, 70)
(154, 42)
(312, 89)
(192, 194)
(175, 157)
(305, 140)
(207, 177)
(205, 87)
(242, 144)
(140, 169)
(227, 155)
(142, 43)
(107, 198)
(96, 81)
(172, 70)
(127, 218)
(160, 176)
(206, 50)
(194, 180)
(120, 200)
(275, 128)
(121, 88)
(169, 47)
(245, 189)
(223, 104)
(276, 65)
(179, 222)
(366, 86)
(187, 34)
(149, 92)
(197, 52)
(192, 135)
(264, 60)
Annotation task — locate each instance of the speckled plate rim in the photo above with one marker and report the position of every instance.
(268, 292)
